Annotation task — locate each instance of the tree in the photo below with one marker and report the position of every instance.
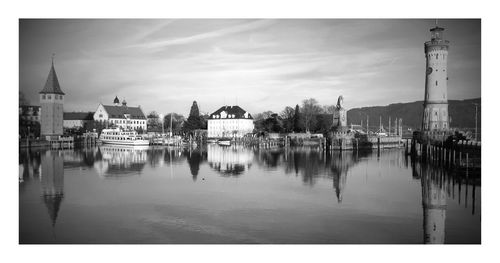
(328, 109)
(297, 120)
(273, 124)
(22, 99)
(153, 121)
(287, 116)
(262, 116)
(323, 123)
(195, 121)
(177, 122)
(310, 109)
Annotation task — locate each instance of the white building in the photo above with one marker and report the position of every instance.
(123, 116)
(230, 121)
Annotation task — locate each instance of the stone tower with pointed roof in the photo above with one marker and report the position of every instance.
(51, 103)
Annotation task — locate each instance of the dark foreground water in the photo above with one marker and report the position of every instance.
(238, 195)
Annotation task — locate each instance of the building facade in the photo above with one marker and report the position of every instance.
(77, 120)
(230, 122)
(436, 83)
(122, 116)
(51, 104)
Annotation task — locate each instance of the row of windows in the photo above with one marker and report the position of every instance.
(437, 56)
(124, 121)
(57, 97)
(119, 138)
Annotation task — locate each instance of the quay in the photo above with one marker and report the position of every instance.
(445, 149)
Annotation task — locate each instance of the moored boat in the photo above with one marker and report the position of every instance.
(120, 137)
(224, 142)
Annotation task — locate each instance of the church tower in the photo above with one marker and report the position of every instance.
(436, 82)
(51, 103)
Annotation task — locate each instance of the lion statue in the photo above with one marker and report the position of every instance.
(340, 101)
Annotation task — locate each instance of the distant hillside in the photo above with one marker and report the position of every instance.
(462, 113)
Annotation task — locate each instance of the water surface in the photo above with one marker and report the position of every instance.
(114, 194)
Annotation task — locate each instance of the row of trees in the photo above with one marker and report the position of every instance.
(309, 117)
(177, 122)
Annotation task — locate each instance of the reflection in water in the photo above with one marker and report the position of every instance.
(440, 190)
(230, 160)
(52, 182)
(194, 158)
(311, 163)
(434, 205)
(118, 161)
(438, 185)
(29, 163)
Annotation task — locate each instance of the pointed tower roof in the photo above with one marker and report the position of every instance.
(53, 203)
(116, 100)
(52, 83)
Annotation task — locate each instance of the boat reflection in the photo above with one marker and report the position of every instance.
(115, 161)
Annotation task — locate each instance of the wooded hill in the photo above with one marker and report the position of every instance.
(462, 113)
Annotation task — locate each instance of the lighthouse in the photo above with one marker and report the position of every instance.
(436, 82)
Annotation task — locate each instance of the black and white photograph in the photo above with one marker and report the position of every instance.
(209, 133)
(243, 131)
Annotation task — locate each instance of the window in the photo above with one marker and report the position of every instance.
(437, 55)
(48, 97)
(436, 82)
(43, 96)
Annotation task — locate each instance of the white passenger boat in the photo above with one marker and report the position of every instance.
(120, 137)
(224, 142)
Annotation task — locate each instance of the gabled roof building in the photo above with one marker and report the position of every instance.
(77, 119)
(123, 116)
(230, 122)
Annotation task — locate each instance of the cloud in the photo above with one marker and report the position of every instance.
(206, 35)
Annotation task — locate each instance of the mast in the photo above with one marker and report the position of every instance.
(171, 124)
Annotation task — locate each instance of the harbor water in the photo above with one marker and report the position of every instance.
(234, 195)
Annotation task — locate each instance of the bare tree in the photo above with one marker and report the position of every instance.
(310, 109)
(328, 109)
(287, 115)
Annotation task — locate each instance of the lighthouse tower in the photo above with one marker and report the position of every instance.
(434, 205)
(436, 82)
(51, 102)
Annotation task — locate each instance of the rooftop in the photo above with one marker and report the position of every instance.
(230, 112)
(118, 112)
(52, 83)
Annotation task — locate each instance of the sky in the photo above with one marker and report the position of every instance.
(260, 65)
